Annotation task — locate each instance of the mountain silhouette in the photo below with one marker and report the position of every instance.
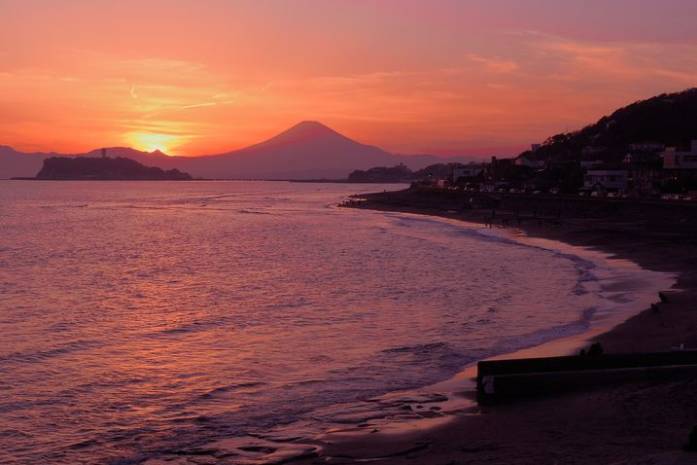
(19, 164)
(308, 150)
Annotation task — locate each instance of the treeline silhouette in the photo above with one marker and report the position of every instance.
(402, 173)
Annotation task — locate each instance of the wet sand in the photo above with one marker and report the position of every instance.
(636, 423)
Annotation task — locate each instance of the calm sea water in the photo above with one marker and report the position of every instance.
(140, 318)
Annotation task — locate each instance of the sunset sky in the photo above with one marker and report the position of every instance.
(440, 76)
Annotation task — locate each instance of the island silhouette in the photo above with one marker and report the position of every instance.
(105, 169)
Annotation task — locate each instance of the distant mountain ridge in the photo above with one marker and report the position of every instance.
(308, 150)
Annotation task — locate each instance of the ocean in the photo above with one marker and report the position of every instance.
(144, 319)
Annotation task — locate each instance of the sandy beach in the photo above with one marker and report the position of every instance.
(635, 423)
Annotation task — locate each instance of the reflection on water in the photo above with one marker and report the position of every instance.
(142, 318)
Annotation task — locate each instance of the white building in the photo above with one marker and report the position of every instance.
(606, 180)
(674, 160)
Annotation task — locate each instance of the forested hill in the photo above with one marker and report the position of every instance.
(669, 119)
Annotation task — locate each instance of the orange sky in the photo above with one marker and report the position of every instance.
(439, 76)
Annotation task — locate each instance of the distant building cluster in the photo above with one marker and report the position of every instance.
(647, 170)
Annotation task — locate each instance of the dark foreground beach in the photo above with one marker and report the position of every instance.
(632, 423)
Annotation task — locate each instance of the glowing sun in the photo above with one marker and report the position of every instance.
(151, 142)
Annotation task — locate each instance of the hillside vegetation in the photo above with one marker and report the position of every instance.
(668, 119)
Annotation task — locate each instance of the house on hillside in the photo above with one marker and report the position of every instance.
(677, 160)
(464, 172)
(647, 147)
(643, 160)
(591, 164)
(606, 180)
(527, 159)
(501, 168)
(645, 166)
(592, 150)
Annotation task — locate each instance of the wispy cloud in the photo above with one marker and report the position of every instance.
(493, 64)
(511, 88)
(207, 104)
(614, 61)
(198, 105)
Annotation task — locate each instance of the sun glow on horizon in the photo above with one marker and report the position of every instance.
(445, 77)
(150, 142)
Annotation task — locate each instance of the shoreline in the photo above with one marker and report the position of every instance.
(643, 330)
(441, 424)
